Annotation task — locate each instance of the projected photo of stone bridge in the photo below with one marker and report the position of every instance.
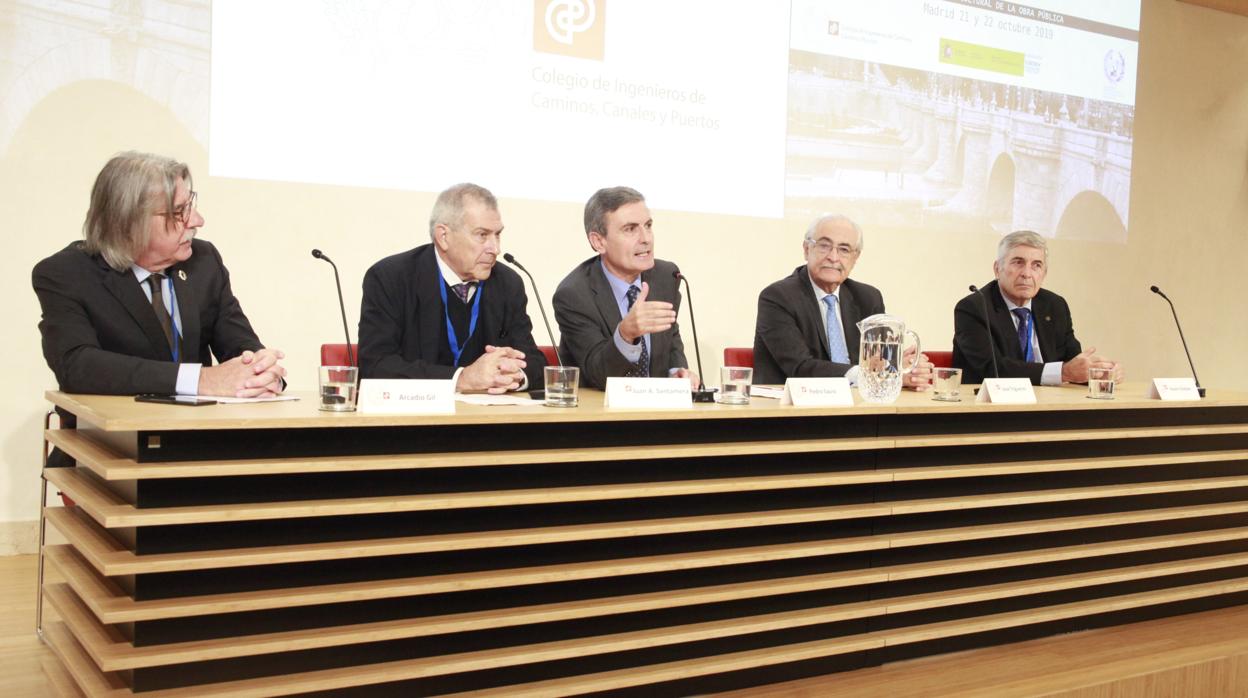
(903, 148)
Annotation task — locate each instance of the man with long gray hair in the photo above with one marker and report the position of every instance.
(1032, 335)
(142, 306)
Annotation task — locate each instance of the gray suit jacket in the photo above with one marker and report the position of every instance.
(789, 339)
(587, 315)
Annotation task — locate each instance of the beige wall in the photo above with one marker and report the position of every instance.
(1189, 227)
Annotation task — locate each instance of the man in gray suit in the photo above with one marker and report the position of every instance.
(617, 310)
(807, 323)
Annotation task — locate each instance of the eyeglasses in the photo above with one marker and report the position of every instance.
(182, 214)
(824, 247)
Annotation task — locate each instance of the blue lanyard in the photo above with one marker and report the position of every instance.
(1028, 352)
(173, 318)
(457, 349)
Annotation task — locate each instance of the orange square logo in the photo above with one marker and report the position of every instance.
(570, 27)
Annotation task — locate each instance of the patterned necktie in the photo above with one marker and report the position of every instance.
(462, 290)
(836, 334)
(157, 283)
(641, 369)
(1024, 340)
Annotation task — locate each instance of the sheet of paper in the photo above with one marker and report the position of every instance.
(487, 399)
(237, 400)
(766, 391)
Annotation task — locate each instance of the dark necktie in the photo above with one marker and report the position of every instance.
(157, 282)
(1024, 338)
(461, 290)
(641, 369)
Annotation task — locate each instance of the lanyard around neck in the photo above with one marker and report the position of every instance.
(457, 348)
(173, 319)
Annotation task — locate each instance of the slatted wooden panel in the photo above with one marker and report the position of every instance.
(681, 565)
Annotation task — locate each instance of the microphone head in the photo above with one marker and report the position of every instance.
(507, 256)
(974, 288)
(317, 253)
(677, 275)
(1154, 289)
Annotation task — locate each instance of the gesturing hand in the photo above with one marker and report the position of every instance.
(646, 317)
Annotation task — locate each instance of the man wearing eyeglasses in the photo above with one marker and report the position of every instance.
(617, 310)
(807, 324)
(140, 305)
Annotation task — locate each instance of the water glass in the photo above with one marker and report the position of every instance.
(734, 385)
(561, 385)
(338, 388)
(946, 384)
(1101, 383)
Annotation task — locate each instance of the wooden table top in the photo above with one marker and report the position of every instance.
(122, 413)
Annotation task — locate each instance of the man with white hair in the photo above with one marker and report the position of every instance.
(807, 323)
(1031, 330)
(445, 310)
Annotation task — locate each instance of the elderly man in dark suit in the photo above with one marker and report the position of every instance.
(807, 324)
(1031, 332)
(445, 311)
(617, 310)
(140, 305)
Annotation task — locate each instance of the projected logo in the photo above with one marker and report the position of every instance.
(1115, 65)
(570, 27)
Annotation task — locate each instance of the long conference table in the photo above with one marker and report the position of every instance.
(271, 549)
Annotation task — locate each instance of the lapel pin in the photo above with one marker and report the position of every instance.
(182, 275)
(1047, 318)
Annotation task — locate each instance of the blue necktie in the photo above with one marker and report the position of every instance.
(836, 335)
(641, 369)
(1024, 338)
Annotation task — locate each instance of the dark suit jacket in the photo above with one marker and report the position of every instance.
(789, 339)
(587, 315)
(1054, 333)
(403, 321)
(100, 334)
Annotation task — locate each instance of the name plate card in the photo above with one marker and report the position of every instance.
(648, 392)
(817, 392)
(406, 396)
(1177, 389)
(1007, 391)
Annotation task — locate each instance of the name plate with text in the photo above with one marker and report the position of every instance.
(406, 396)
(817, 392)
(1007, 391)
(1177, 389)
(648, 392)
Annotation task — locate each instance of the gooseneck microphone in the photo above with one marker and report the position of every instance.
(341, 306)
(1156, 290)
(983, 304)
(701, 394)
(540, 305)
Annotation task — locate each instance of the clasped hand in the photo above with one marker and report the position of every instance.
(498, 370)
(1076, 370)
(250, 374)
(918, 378)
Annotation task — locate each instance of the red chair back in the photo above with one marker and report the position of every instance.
(940, 359)
(552, 359)
(336, 355)
(739, 356)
